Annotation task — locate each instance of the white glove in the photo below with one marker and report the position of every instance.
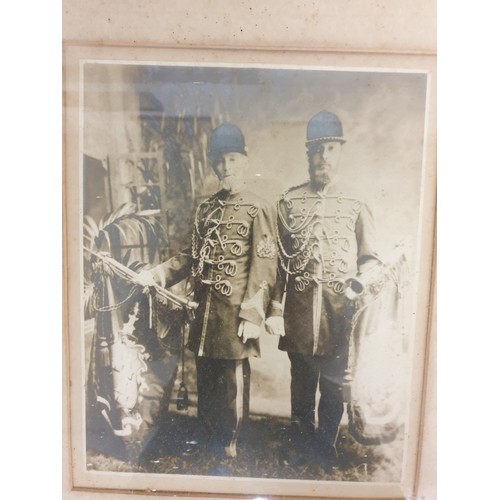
(145, 278)
(248, 330)
(275, 325)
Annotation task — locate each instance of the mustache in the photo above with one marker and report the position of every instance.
(320, 170)
(320, 176)
(231, 183)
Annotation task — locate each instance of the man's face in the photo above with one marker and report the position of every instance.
(230, 169)
(324, 159)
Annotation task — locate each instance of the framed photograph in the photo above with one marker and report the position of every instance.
(252, 333)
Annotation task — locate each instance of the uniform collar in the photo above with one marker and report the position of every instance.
(323, 191)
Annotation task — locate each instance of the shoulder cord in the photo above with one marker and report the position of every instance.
(198, 259)
(283, 221)
(283, 254)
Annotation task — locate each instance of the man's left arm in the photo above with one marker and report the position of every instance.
(262, 273)
(367, 240)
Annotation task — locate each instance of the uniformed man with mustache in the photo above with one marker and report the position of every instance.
(325, 237)
(233, 260)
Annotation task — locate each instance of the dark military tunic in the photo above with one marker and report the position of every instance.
(233, 258)
(323, 238)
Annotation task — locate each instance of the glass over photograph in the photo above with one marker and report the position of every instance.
(249, 248)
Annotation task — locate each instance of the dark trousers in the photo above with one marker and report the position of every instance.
(307, 371)
(223, 397)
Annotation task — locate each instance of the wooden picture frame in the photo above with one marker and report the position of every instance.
(388, 101)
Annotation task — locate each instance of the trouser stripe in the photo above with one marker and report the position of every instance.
(240, 390)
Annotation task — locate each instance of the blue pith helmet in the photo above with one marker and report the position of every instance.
(324, 127)
(226, 138)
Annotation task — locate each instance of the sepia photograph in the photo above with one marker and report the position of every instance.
(247, 299)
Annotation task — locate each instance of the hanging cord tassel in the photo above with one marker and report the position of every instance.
(152, 309)
(103, 349)
(182, 394)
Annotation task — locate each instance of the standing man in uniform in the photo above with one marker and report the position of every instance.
(233, 260)
(325, 237)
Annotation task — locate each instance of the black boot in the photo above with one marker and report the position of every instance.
(328, 458)
(299, 447)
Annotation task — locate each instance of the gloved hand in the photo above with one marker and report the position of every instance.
(145, 278)
(248, 330)
(275, 325)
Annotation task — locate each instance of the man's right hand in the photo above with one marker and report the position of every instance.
(145, 278)
(275, 325)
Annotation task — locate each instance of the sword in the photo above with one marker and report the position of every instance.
(129, 275)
